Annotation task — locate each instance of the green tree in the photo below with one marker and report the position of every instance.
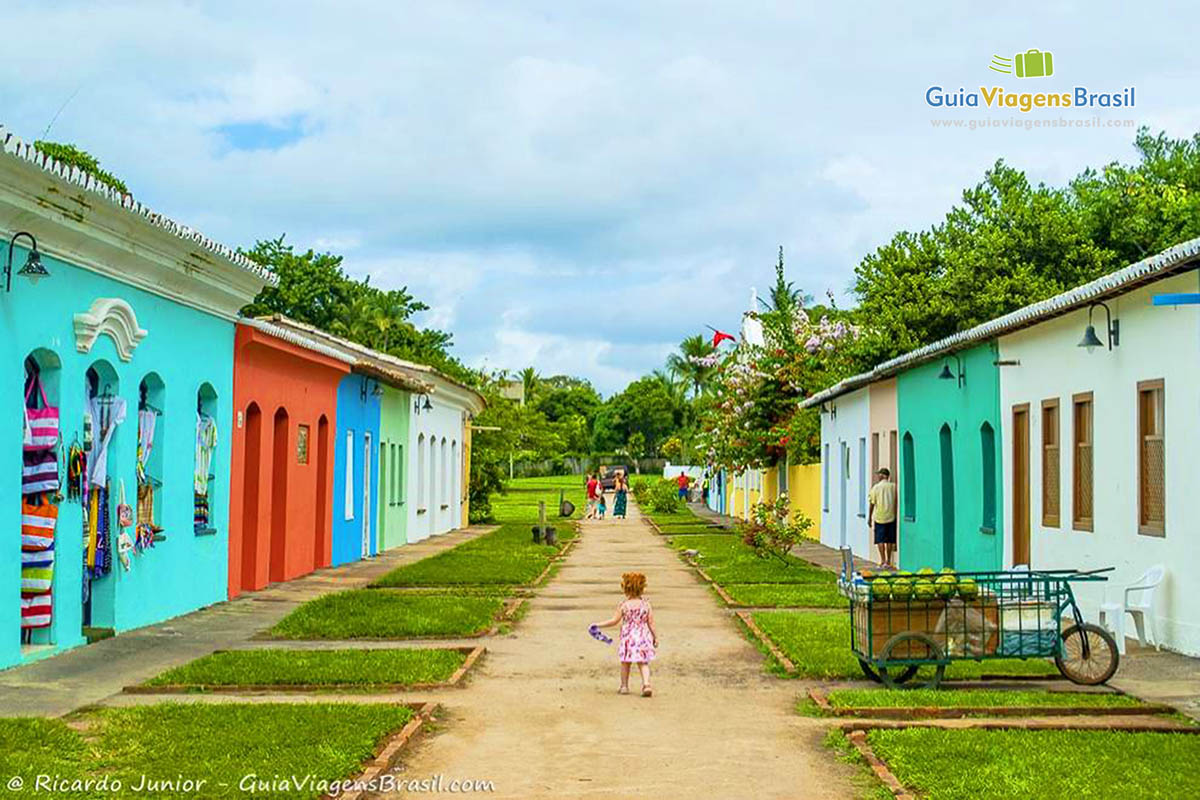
(687, 365)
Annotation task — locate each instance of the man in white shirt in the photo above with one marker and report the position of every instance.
(881, 517)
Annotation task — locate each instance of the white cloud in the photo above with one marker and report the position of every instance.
(583, 185)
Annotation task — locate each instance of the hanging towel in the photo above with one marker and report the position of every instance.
(41, 424)
(106, 421)
(147, 421)
(37, 524)
(37, 571)
(36, 610)
(206, 442)
(40, 471)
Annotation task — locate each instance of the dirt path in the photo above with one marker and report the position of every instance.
(542, 719)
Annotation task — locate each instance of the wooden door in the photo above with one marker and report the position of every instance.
(1020, 484)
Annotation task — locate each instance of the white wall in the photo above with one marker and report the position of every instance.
(436, 502)
(848, 428)
(1155, 343)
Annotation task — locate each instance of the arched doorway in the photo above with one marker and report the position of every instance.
(251, 482)
(322, 504)
(277, 554)
(947, 447)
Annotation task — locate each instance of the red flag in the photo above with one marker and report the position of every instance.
(721, 336)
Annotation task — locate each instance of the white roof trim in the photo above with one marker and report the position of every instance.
(291, 337)
(1156, 267)
(12, 146)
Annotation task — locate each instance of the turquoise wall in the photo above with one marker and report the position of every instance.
(949, 466)
(393, 473)
(186, 348)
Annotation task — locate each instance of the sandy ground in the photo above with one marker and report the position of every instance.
(541, 717)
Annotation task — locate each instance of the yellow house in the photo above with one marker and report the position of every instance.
(802, 484)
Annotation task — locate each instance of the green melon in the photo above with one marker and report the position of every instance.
(968, 589)
(881, 589)
(923, 589)
(945, 586)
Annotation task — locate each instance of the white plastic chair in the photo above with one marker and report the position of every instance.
(1140, 604)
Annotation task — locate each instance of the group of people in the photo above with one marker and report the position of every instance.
(597, 498)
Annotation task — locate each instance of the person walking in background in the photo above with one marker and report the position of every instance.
(593, 493)
(621, 495)
(682, 482)
(882, 516)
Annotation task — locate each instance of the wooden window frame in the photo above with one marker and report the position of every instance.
(1154, 529)
(874, 454)
(1078, 522)
(1051, 520)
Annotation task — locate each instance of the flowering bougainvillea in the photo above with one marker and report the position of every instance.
(752, 416)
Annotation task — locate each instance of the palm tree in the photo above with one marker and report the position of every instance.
(530, 379)
(683, 366)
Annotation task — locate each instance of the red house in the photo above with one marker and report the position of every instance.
(281, 481)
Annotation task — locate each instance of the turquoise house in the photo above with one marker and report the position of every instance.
(951, 507)
(130, 338)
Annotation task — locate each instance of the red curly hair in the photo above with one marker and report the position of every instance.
(633, 584)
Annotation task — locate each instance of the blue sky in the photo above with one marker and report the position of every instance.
(576, 187)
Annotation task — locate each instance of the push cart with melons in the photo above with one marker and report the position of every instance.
(901, 622)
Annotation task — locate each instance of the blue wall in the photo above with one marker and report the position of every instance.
(186, 348)
(357, 416)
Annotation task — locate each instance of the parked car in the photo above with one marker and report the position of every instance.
(609, 479)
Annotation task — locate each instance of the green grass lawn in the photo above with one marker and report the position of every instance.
(382, 614)
(975, 698)
(794, 595)
(818, 643)
(1003, 764)
(357, 668)
(218, 744)
(728, 560)
(505, 557)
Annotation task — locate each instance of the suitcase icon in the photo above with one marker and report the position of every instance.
(1034, 63)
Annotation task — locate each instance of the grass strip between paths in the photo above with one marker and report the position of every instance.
(217, 744)
(1083, 765)
(976, 698)
(382, 614)
(795, 595)
(357, 668)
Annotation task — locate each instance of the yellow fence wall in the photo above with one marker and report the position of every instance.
(804, 491)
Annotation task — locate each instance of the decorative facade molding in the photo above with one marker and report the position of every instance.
(113, 316)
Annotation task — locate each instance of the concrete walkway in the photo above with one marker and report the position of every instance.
(541, 717)
(89, 674)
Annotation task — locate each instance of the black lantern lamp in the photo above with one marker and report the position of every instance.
(419, 406)
(1112, 330)
(947, 375)
(33, 269)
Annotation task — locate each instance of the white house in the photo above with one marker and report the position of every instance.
(1100, 447)
(438, 431)
(846, 472)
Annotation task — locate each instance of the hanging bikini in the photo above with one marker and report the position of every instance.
(39, 514)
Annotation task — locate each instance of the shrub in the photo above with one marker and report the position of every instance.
(663, 497)
(640, 489)
(771, 533)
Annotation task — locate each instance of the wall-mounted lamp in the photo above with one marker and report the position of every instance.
(1112, 328)
(33, 268)
(370, 388)
(947, 375)
(419, 406)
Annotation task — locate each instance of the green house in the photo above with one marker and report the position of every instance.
(950, 462)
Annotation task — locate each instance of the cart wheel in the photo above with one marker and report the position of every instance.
(911, 645)
(1101, 661)
(868, 670)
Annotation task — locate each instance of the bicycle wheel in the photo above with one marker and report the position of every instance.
(1102, 658)
(911, 645)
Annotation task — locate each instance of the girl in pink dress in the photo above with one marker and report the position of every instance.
(638, 636)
